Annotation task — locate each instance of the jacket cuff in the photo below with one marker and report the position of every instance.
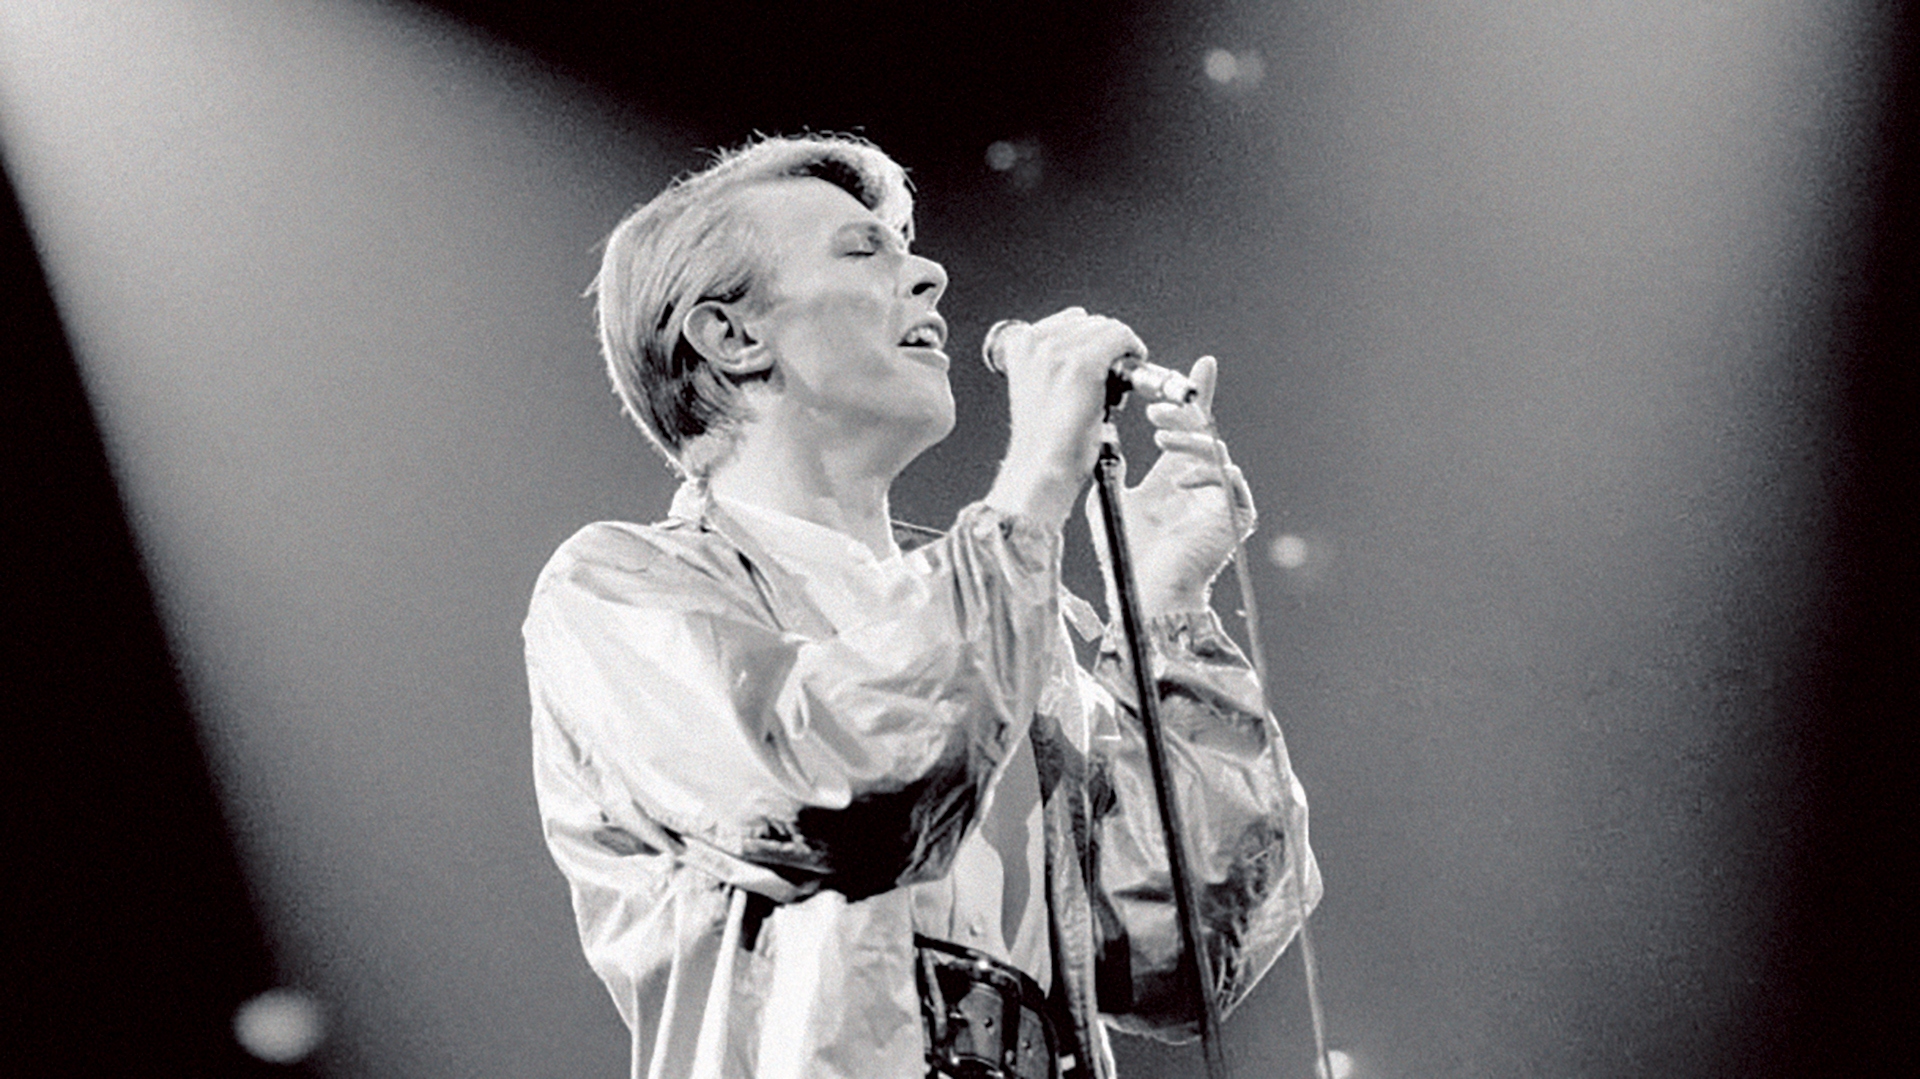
(1191, 655)
(1195, 633)
(1035, 548)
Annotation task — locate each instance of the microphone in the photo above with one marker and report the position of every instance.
(1148, 380)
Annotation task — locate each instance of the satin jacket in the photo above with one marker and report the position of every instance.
(739, 796)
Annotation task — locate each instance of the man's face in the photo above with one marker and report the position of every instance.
(848, 314)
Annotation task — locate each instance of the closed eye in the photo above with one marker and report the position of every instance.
(867, 240)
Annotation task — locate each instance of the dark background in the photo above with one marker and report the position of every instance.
(1693, 847)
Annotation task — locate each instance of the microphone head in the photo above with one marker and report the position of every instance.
(990, 345)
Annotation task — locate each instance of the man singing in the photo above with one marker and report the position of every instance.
(832, 794)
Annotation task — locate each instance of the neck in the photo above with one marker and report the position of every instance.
(839, 485)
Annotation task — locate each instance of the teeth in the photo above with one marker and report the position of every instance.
(924, 336)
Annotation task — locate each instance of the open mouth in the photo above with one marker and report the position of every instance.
(929, 334)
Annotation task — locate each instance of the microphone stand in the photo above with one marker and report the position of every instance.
(1107, 480)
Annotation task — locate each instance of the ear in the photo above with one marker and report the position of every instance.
(721, 335)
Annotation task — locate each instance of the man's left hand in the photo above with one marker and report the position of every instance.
(1179, 523)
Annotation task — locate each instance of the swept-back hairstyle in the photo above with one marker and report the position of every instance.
(693, 243)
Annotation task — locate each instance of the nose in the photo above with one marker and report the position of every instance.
(927, 279)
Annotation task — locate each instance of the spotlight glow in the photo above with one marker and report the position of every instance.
(1234, 70)
(1288, 551)
(1221, 66)
(1019, 160)
(280, 1026)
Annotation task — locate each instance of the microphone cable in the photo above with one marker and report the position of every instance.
(1250, 618)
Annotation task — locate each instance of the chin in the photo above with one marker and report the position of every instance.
(932, 428)
(943, 419)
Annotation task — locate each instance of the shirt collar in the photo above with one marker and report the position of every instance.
(798, 539)
(694, 501)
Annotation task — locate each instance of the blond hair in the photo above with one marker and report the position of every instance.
(690, 244)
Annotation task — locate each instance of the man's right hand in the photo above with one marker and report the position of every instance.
(1056, 372)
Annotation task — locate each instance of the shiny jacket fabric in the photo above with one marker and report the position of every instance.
(739, 797)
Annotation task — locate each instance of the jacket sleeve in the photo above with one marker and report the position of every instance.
(1245, 817)
(674, 715)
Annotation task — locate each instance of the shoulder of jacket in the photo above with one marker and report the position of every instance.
(666, 549)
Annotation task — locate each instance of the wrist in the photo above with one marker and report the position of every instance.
(1029, 487)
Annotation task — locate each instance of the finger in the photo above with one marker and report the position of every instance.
(1205, 375)
(1109, 341)
(1210, 477)
(1198, 443)
(1170, 416)
(1126, 342)
(1065, 314)
(1192, 467)
(1235, 482)
(1087, 325)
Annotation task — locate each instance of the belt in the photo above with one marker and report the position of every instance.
(985, 1019)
